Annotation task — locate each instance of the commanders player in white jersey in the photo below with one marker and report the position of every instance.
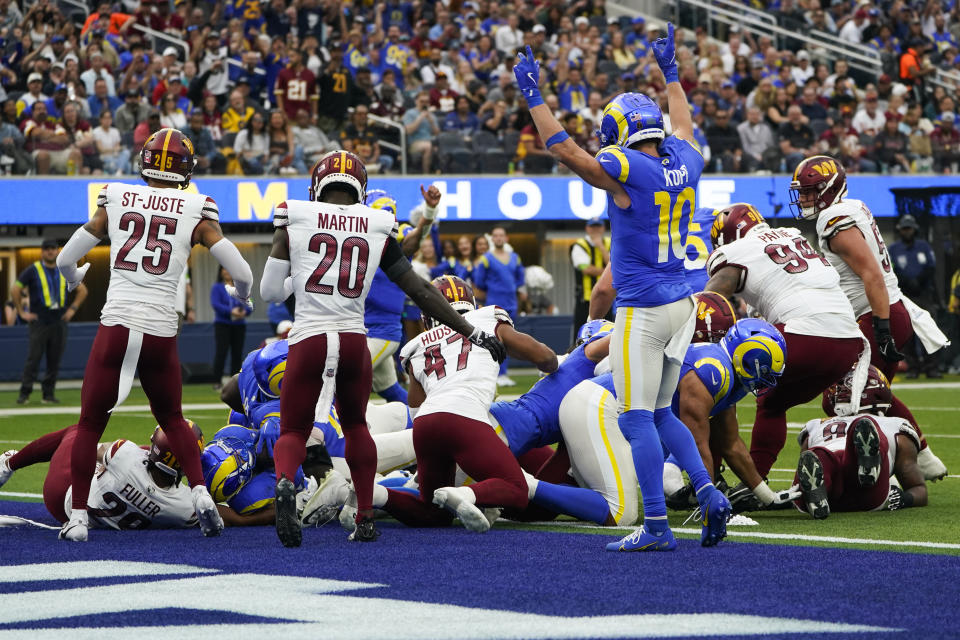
(151, 229)
(850, 240)
(452, 385)
(332, 245)
(795, 289)
(846, 462)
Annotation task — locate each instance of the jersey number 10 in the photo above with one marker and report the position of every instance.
(671, 215)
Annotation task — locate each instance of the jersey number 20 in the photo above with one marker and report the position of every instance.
(326, 245)
(668, 230)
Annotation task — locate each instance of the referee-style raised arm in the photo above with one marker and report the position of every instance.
(680, 119)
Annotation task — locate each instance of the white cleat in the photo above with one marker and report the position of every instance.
(348, 514)
(211, 524)
(5, 470)
(932, 467)
(492, 514)
(323, 505)
(457, 501)
(306, 494)
(505, 381)
(75, 529)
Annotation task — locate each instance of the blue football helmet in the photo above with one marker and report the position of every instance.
(225, 469)
(629, 118)
(758, 352)
(237, 436)
(594, 330)
(268, 367)
(380, 199)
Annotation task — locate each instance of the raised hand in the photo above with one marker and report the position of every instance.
(665, 50)
(527, 72)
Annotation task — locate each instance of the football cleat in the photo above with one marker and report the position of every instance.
(812, 488)
(211, 524)
(364, 530)
(866, 442)
(742, 499)
(310, 488)
(287, 523)
(456, 500)
(323, 505)
(682, 500)
(716, 511)
(505, 381)
(348, 514)
(492, 514)
(932, 467)
(642, 540)
(75, 529)
(5, 470)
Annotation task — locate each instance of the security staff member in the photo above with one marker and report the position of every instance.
(589, 255)
(47, 316)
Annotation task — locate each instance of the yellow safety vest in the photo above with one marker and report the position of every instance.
(584, 282)
(48, 302)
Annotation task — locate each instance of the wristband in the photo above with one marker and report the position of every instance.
(534, 99)
(906, 499)
(557, 138)
(881, 324)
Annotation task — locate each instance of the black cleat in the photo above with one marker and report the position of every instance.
(814, 491)
(866, 441)
(288, 524)
(364, 530)
(683, 499)
(22, 399)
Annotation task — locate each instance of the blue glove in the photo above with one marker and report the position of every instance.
(665, 51)
(269, 433)
(527, 71)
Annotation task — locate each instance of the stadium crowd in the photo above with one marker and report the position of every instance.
(266, 88)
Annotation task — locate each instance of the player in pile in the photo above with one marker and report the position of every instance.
(331, 245)
(151, 230)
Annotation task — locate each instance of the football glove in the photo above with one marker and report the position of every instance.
(81, 271)
(490, 343)
(527, 72)
(233, 293)
(885, 341)
(898, 499)
(664, 49)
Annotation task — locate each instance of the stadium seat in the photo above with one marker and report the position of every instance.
(458, 161)
(510, 141)
(485, 141)
(537, 164)
(494, 161)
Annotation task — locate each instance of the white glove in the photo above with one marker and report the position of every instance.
(81, 271)
(232, 291)
(791, 494)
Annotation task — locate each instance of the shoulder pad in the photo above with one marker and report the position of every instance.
(501, 316)
(907, 429)
(715, 376)
(835, 219)
(614, 162)
(280, 218)
(115, 448)
(812, 424)
(210, 211)
(102, 196)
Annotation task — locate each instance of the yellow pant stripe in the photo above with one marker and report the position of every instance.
(380, 353)
(613, 460)
(627, 326)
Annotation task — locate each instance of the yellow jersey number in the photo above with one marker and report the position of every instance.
(671, 213)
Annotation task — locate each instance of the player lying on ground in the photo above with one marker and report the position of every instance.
(132, 488)
(847, 462)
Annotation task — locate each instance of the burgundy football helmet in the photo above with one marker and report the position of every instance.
(733, 222)
(818, 182)
(458, 293)
(161, 455)
(876, 397)
(168, 155)
(715, 316)
(338, 167)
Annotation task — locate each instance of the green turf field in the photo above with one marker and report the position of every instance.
(936, 407)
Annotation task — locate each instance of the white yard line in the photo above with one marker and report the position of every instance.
(133, 408)
(17, 494)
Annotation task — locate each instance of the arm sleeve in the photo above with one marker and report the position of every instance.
(227, 254)
(393, 262)
(79, 244)
(275, 286)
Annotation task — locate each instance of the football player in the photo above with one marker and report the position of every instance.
(329, 244)
(151, 229)
(850, 240)
(795, 289)
(132, 488)
(452, 386)
(846, 462)
(651, 182)
(698, 247)
(383, 310)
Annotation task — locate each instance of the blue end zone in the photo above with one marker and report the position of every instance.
(526, 571)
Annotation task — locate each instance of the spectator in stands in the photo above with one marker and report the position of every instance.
(13, 157)
(810, 105)
(508, 37)
(425, 260)
(572, 91)
(359, 138)
(211, 61)
(465, 256)
(852, 30)
(914, 264)
(363, 89)
(421, 126)
(252, 146)
(34, 93)
(237, 115)
(442, 97)
(449, 264)
(56, 103)
(229, 325)
(869, 120)
(746, 85)
(724, 141)
(336, 87)
(116, 159)
(144, 130)
(209, 158)
(101, 101)
(296, 87)
(462, 120)
(891, 147)
(796, 139)
(131, 113)
(47, 316)
(945, 141)
(81, 138)
(756, 138)
(532, 153)
(171, 116)
(914, 65)
(286, 157)
(311, 139)
(589, 256)
(98, 71)
(49, 144)
(480, 246)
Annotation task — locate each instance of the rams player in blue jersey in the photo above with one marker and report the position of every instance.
(651, 182)
(383, 309)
